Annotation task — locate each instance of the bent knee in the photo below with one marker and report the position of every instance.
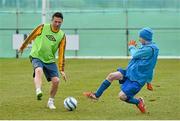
(114, 76)
(55, 80)
(110, 77)
(122, 96)
(38, 70)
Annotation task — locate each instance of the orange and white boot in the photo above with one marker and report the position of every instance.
(90, 95)
(141, 105)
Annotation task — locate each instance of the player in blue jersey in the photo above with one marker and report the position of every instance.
(138, 72)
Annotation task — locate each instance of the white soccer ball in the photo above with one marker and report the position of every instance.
(70, 103)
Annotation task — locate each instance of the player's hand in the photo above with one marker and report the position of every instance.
(132, 42)
(63, 75)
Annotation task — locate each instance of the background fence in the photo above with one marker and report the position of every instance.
(103, 26)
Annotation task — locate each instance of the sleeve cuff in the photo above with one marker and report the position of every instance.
(131, 47)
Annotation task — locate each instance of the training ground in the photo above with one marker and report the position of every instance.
(18, 101)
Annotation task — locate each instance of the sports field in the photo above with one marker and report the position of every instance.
(18, 101)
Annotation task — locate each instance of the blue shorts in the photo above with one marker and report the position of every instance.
(123, 72)
(130, 88)
(50, 69)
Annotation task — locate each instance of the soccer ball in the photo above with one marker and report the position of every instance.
(70, 103)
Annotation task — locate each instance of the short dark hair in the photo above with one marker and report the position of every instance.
(57, 14)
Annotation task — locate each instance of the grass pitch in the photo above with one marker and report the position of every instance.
(18, 101)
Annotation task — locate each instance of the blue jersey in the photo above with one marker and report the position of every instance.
(141, 66)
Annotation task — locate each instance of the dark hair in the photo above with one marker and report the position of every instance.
(57, 14)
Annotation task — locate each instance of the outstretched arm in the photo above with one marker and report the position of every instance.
(37, 31)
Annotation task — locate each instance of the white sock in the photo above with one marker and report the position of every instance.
(38, 89)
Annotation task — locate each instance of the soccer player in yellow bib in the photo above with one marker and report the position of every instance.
(47, 39)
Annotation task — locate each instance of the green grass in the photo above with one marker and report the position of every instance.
(18, 101)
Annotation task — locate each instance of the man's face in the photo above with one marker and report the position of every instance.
(56, 22)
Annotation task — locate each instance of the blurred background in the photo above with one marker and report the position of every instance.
(104, 26)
